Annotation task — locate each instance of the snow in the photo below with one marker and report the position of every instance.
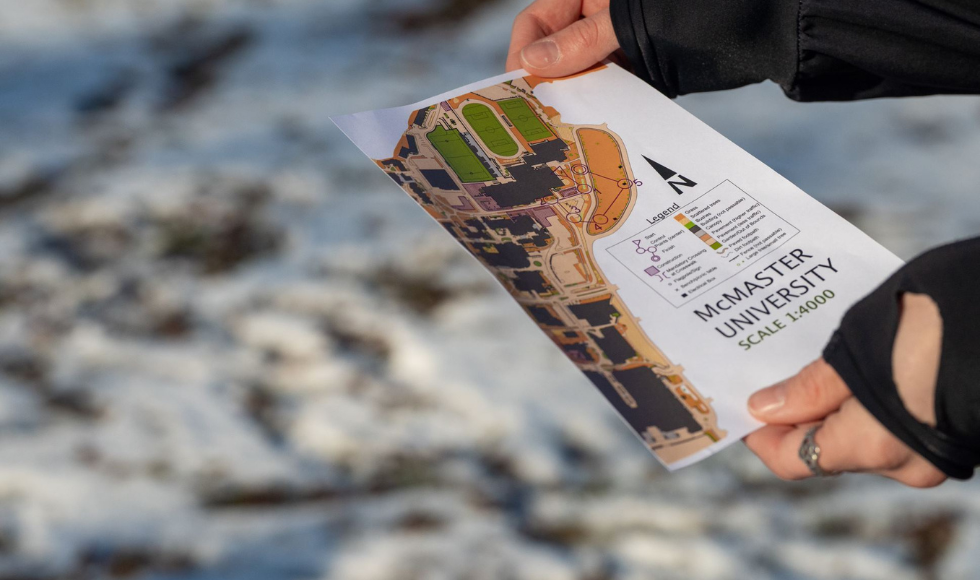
(231, 348)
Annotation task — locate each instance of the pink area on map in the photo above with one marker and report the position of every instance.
(543, 215)
(464, 204)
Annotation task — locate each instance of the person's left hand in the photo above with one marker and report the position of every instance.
(553, 38)
(851, 439)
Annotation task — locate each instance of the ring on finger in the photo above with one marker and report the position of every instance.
(810, 453)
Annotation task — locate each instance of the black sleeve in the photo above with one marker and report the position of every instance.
(861, 352)
(814, 49)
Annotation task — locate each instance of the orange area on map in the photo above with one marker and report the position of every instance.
(609, 178)
(533, 80)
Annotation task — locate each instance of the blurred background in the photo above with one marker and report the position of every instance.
(231, 348)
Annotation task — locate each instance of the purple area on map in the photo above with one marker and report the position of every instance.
(543, 215)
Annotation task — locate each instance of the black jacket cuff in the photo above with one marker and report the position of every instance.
(816, 50)
(690, 46)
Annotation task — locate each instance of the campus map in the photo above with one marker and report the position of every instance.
(678, 272)
(528, 196)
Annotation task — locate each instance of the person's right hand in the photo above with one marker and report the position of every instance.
(553, 38)
(851, 439)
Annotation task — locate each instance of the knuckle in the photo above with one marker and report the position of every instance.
(783, 471)
(924, 478)
(529, 11)
(522, 17)
(883, 451)
(787, 474)
(587, 33)
(813, 388)
(529, 18)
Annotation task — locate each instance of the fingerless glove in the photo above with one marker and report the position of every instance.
(861, 352)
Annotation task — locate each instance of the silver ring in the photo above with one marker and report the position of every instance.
(810, 453)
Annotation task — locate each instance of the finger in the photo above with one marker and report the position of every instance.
(917, 473)
(850, 439)
(590, 7)
(810, 395)
(572, 49)
(540, 19)
(853, 440)
(778, 446)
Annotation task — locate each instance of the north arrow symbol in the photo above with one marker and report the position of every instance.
(667, 173)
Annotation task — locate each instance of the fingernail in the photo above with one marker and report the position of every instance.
(541, 54)
(767, 400)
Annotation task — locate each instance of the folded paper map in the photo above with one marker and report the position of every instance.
(676, 270)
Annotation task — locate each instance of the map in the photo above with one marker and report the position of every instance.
(528, 196)
(678, 272)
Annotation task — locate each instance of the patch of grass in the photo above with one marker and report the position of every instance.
(488, 127)
(457, 153)
(524, 120)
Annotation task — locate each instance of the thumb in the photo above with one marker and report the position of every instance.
(810, 395)
(573, 48)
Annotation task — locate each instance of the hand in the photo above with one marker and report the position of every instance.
(851, 439)
(553, 38)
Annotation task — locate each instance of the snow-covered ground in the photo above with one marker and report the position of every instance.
(230, 348)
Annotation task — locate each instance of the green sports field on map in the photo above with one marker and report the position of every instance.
(457, 153)
(520, 114)
(488, 127)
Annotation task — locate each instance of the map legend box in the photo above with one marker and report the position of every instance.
(707, 241)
